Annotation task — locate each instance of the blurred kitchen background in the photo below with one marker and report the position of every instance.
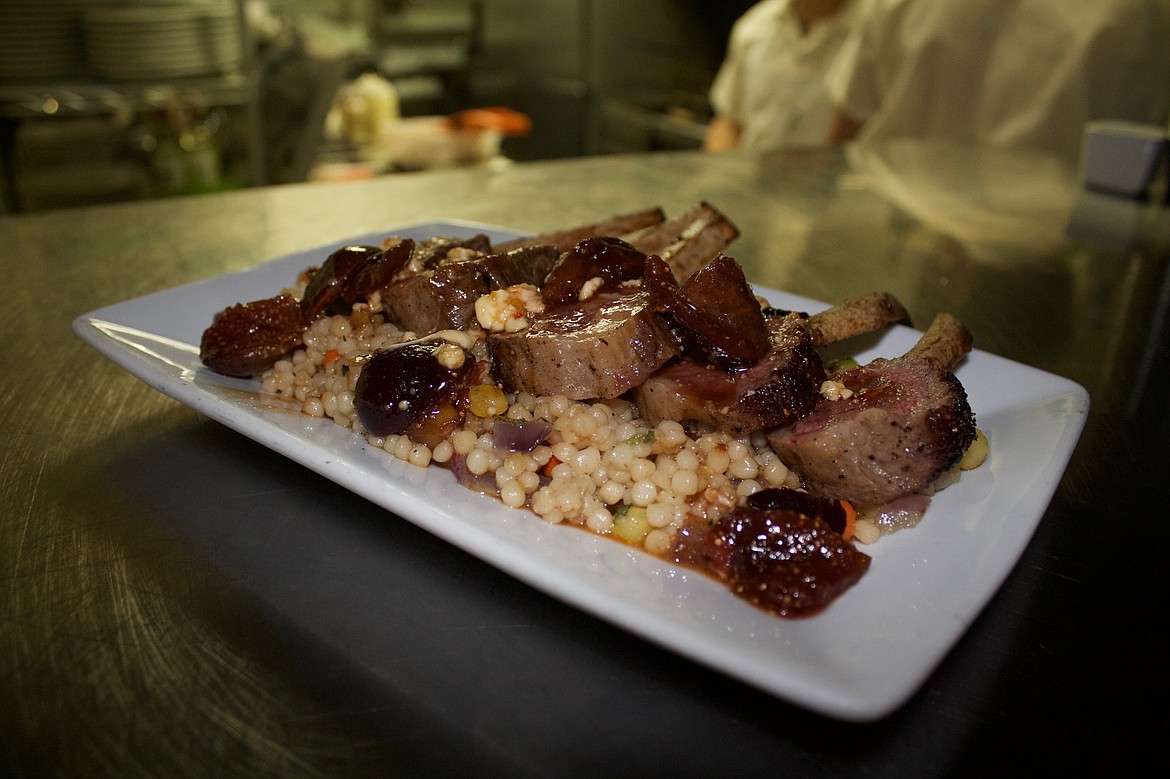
(111, 100)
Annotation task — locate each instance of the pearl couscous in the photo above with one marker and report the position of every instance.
(601, 467)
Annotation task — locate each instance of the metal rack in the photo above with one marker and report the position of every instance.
(27, 100)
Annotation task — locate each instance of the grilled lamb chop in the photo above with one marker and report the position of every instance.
(599, 348)
(907, 422)
(688, 241)
(563, 240)
(777, 389)
(856, 316)
(444, 297)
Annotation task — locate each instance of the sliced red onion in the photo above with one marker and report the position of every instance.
(901, 513)
(484, 483)
(515, 435)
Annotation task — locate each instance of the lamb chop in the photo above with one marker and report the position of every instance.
(856, 316)
(906, 423)
(563, 240)
(688, 241)
(777, 389)
(443, 294)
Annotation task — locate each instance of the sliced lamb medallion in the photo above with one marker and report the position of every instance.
(444, 297)
(596, 349)
(907, 422)
(775, 390)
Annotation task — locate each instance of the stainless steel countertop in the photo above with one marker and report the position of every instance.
(139, 638)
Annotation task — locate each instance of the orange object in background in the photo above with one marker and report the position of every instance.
(506, 121)
(468, 137)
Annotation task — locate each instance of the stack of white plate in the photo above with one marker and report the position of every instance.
(146, 41)
(40, 39)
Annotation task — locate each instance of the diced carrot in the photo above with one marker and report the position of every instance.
(547, 470)
(330, 356)
(850, 520)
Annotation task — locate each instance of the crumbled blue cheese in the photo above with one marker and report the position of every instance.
(508, 310)
(835, 390)
(460, 253)
(589, 288)
(460, 338)
(450, 356)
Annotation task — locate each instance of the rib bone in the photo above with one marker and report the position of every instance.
(563, 240)
(944, 343)
(856, 316)
(690, 240)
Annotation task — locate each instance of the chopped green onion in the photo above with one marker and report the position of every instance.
(843, 364)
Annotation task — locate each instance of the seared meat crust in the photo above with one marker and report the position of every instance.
(907, 422)
(776, 390)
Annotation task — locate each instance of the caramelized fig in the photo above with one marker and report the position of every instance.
(376, 273)
(714, 313)
(430, 252)
(784, 560)
(784, 498)
(610, 259)
(327, 283)
(408, 390)
(247, 338)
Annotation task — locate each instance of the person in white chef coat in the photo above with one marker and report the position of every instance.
(1015, 74)
(769, 92)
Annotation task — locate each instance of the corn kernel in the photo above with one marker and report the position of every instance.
(631, 525)
(487, 400)
(976, 453)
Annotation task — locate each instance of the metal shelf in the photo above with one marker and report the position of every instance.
(33, 100)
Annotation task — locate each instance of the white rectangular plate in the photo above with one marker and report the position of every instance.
(859, 660)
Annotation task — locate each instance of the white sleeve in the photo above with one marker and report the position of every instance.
(724, 88)
(727, 88)
(850, 78)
